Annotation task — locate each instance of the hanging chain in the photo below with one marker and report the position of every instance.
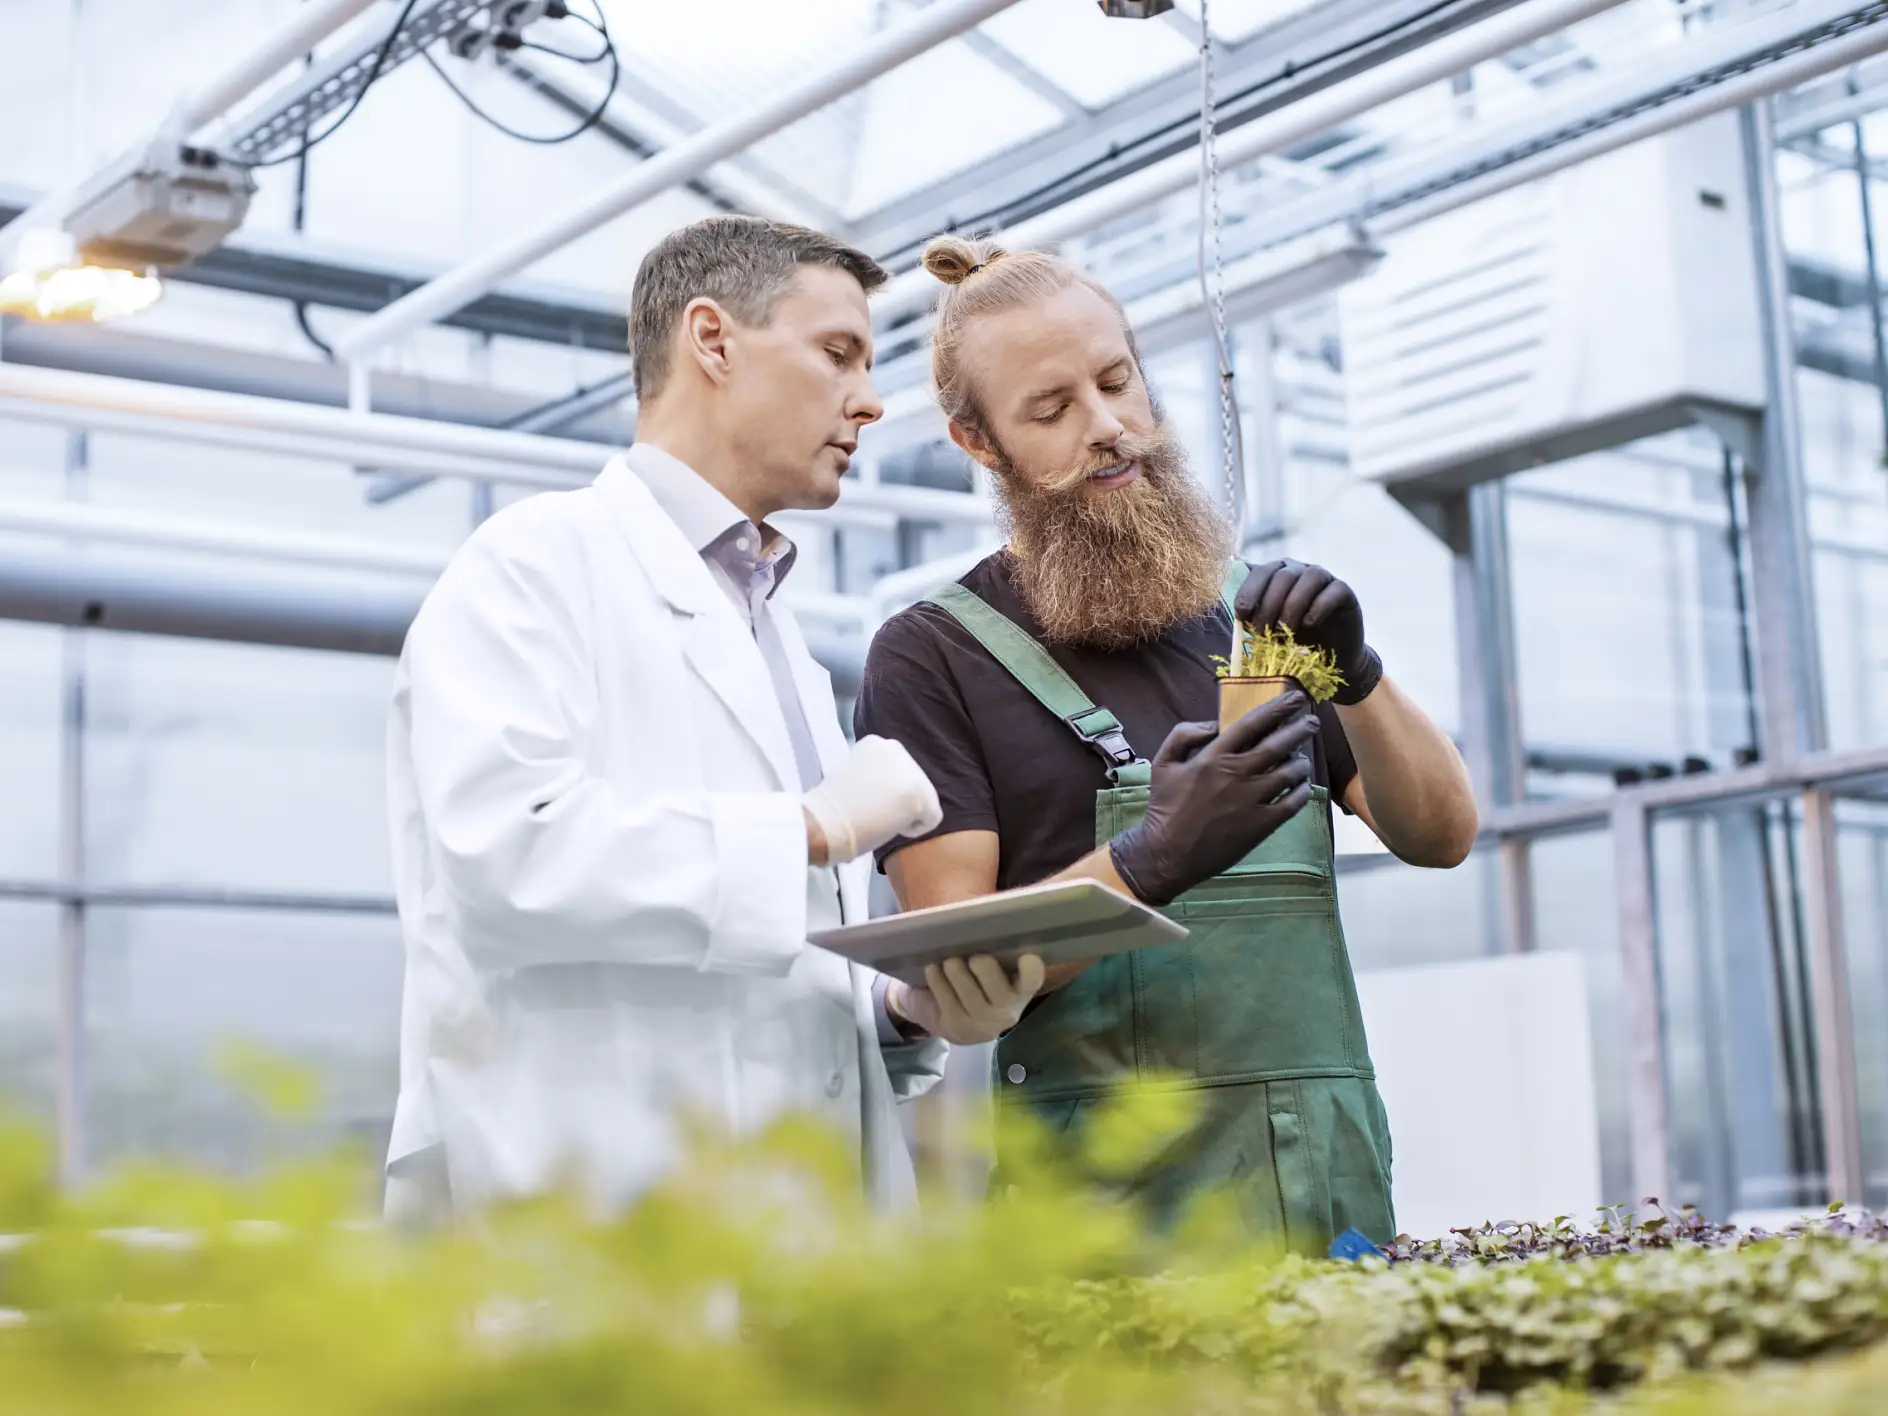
(1213, 289)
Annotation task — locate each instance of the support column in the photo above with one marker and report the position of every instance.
(1789, 666)
(1476, 526)
(69, 1086)
(1644, 1007)
(1838, 1107)
(1789, 659)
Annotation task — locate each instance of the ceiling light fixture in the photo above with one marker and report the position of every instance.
(49, 279)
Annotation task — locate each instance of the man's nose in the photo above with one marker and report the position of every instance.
(1104, 429)
(865, 405)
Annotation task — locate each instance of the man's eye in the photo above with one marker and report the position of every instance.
(1053, 415)
(841, 357)
(1121, 387)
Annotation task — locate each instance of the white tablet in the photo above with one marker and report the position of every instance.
(1062, 922)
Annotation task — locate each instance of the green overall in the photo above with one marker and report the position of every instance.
(1256, 1010)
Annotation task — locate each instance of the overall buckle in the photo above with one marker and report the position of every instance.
(1101, 730)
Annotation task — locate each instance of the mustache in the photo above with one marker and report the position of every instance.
(1128, 448)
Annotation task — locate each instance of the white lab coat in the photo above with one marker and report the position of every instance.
(601, 869)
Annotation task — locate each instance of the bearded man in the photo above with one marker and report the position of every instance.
(1063, 699)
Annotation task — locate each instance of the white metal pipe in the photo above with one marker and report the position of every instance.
(380, 440)
(311, 23)
(178, 533)
(890, 48)
(1318, 113)
(352, 452)
(366, 434)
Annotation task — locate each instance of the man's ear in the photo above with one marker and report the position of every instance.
(706, 330)
(974, 443)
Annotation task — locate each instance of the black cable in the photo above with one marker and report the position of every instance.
(1288, 71)
(602, 26)
(555, 52)
(380, 59)
(600, 30)
(301, 322)
(301, 219)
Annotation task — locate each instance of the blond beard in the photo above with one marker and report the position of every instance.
(1113, 569)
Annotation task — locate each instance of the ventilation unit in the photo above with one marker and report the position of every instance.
(1605, 303)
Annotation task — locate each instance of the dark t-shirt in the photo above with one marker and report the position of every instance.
(1001, 761)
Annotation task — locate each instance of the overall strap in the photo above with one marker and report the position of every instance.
(1013, 647)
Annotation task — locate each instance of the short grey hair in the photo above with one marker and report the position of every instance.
(745, 264)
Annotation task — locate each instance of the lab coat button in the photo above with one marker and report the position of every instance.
(1017, 1071)
(835, 1084)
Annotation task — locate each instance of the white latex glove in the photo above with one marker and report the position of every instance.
(876, 795)
(968, 1000)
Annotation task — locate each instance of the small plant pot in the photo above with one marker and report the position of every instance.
(1239, 696)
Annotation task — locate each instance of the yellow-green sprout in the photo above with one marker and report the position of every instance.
(1275, 652)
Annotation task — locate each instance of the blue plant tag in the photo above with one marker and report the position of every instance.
(1352, 1245)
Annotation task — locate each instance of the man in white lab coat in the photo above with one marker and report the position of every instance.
(618, 778)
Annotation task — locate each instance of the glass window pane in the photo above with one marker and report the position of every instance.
(918, 124)
(1862, 858)
(29, 1006)
(1083, 52)
(1627, 623)
(167, 990)
(759, 45)
(1575, 912)
(1734, 977)
(1848, 526)
(236, 765)
(1396, 915)
(31, 692)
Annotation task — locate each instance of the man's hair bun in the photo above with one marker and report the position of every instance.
(954, 259)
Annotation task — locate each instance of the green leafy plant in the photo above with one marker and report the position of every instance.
(1275, 652)
(754, 1281)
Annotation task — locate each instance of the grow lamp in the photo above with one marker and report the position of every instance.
(49, 279)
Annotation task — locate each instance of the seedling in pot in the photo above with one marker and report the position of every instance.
(1264, 663)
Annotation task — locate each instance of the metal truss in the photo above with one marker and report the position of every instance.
(335, 82)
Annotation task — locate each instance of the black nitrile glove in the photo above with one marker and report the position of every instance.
(1215, 796)
(1320, 611)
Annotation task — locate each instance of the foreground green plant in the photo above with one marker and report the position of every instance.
(754, 1282)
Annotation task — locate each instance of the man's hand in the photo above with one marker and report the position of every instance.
(967, 1000)
(1215, 795)
(875, 795)
(1320, 611)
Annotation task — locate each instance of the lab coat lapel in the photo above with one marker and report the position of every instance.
(715, 639)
